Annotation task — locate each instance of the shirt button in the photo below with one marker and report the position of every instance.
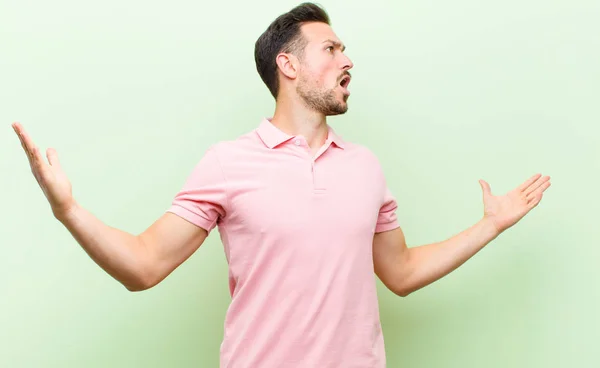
(297, 142)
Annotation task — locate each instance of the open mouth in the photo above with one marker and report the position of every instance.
(345, 81)
(344, 84)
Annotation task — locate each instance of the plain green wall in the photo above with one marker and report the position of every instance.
(445, 93)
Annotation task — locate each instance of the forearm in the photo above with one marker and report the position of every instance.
(428, 263)
(120, 254)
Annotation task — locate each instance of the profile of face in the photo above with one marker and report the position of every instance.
(323, 73)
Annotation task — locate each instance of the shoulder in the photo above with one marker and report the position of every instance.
(362, 153)
(235, 148)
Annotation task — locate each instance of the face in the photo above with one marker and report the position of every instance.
(323, 74)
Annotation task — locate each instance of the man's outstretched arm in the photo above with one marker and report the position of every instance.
(404, 270)
(136, 261)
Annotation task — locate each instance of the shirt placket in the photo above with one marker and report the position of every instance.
(317, 183)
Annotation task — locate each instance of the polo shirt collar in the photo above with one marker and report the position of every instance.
(273, 136)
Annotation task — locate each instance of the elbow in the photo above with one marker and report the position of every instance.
(144, 274)
(402, 290)
(136, 287)
(401, 293)
(141, 282)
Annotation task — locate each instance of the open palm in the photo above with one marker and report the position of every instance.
(50, 176)
(506, 210)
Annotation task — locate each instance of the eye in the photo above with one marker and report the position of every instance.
(330, 48)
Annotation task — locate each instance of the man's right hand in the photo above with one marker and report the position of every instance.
(49, 175)
(137, 261)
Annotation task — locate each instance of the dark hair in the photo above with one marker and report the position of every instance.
(284, 35)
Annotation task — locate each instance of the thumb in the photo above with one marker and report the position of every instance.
(485, 187)
(53, 157)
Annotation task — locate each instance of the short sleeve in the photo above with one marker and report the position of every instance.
(387, 219)
(202, 199)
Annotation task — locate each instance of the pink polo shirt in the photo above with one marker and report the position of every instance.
(298, 237)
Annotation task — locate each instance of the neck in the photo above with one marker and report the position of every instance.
(294, 118)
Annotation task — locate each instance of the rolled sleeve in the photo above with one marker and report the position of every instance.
(387, 218)
(202, 199)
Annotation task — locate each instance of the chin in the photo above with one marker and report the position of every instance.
(344, 103)
(338, 110)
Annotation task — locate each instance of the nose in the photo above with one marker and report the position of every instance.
(347, 63)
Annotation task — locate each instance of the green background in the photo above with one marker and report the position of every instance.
(445, 93)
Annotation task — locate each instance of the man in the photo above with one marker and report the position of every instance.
(306, 219)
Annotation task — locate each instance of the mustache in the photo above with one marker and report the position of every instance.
(346, 73)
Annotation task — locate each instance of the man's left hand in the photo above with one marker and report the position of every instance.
(506, 210)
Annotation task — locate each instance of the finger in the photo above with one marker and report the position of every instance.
(39, 168)
(37, 159)
(485, 187)
(528, 182)
(53, 157)
(26, 141)
(31, 148)
(538, 183)
(534, 201)
(538, 192)
(18, 130)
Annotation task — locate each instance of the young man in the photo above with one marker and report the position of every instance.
(306, 219)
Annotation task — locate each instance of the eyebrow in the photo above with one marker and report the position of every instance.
(337, 44)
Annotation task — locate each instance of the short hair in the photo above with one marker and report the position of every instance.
(284, 35)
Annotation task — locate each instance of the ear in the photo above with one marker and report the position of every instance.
(287, 64)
